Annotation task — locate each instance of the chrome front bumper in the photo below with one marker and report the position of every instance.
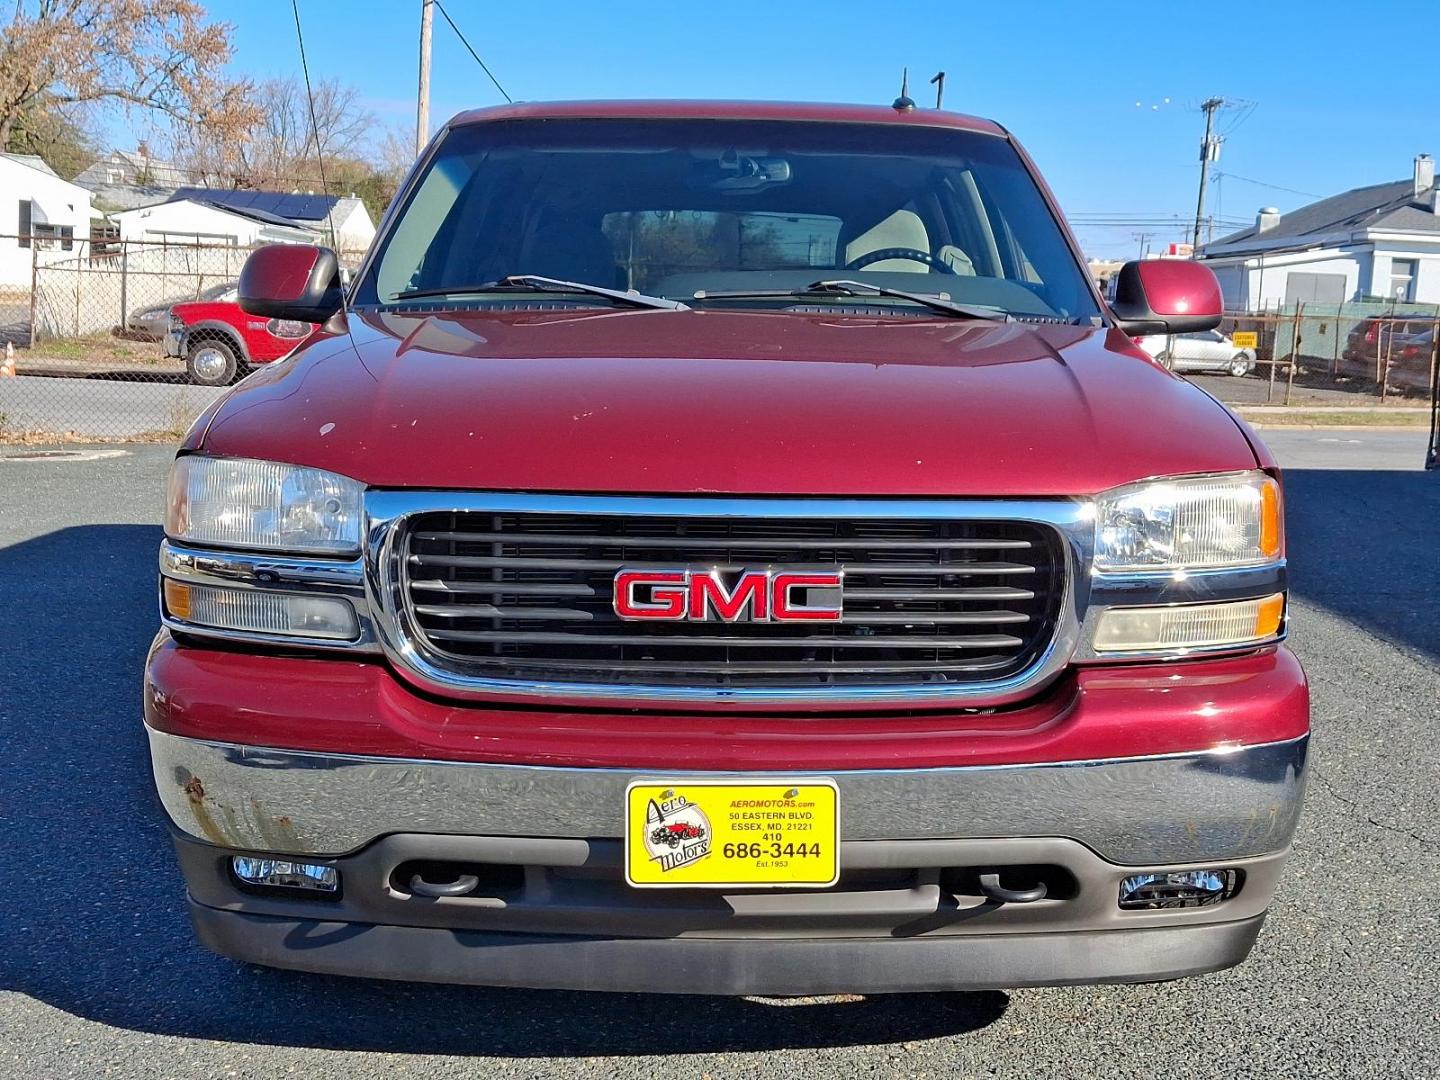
(1194, 807)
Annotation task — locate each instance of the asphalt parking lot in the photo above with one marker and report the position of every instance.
(100, 976)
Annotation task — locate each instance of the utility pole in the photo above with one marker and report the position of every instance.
(1144, 238)
(422, 109)
(1209, 151)
(939, 83)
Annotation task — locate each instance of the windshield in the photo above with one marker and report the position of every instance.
(675, 208)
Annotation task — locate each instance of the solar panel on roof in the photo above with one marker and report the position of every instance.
(290, 205)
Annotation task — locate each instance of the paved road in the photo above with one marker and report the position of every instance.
(1365, 449)
(99, 974)
(101, 408)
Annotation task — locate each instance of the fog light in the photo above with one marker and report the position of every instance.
(279, 874)
(291, 614)
(1178, 889)
(1189, 626)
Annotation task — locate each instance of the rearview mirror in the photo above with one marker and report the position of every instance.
(292, 281)
(1166, 296)
(737, 173)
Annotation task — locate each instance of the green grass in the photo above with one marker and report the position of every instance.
(1298, 415)
(98, 348)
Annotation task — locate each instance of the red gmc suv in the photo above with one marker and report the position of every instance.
(726, 548)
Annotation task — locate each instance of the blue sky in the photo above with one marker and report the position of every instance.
(1336, 97)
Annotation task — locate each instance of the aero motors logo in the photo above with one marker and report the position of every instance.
(753, 596)
(677, 832)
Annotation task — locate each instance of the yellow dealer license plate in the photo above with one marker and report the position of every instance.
(732, 834)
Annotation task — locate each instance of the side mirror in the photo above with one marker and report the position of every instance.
(292, 281)
(1167, 296)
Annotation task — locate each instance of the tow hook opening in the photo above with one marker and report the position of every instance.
(1021, 884)
(433, 879)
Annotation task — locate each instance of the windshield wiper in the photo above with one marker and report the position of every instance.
(864, 288)
(534, 283)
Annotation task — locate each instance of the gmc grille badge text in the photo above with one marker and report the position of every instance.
(697, 595)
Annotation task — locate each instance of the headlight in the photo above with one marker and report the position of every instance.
(238, 502)
(1189, 523)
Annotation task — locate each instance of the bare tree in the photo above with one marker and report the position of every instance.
(395, 149)
(280, 149)
(156, 55)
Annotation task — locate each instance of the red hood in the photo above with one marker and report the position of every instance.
(737, 402)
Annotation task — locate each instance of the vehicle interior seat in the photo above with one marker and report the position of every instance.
(904, 229)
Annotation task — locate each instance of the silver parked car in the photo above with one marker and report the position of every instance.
(150, 323)
(1209, 350)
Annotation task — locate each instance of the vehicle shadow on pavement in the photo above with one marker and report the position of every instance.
(94, 922)
(1366, 545)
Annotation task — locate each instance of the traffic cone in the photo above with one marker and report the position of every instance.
(7, 366)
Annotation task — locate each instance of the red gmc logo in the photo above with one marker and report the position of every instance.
(702, 595)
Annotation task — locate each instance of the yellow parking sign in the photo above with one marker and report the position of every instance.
(1245, 339)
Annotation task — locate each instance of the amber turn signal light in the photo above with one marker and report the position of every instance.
(1190, 626)
(177, 599)
(1271, 540)
(253, 611)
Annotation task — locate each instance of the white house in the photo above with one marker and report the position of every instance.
(1373, 243)
(339, 221)
(200, 221)
(42, 218)
(244, 218)
(353, 226)
(124, 179)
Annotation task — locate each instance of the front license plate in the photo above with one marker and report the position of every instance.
(732, 834)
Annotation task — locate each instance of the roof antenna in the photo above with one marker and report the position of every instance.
(903, 103)
(939, 83)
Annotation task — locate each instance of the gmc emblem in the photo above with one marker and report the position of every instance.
(702, 595)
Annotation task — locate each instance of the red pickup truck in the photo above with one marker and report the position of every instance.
(219, 341)
(726, 548)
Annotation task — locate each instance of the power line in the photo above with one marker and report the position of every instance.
(314, 123)
(1246, 109)
(1159, 222)
(472, 52)
(1262, 183)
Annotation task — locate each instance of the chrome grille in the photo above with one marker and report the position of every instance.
(928, 603)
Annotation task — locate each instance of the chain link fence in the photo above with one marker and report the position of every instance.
(1358, 355)
(83, 326)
